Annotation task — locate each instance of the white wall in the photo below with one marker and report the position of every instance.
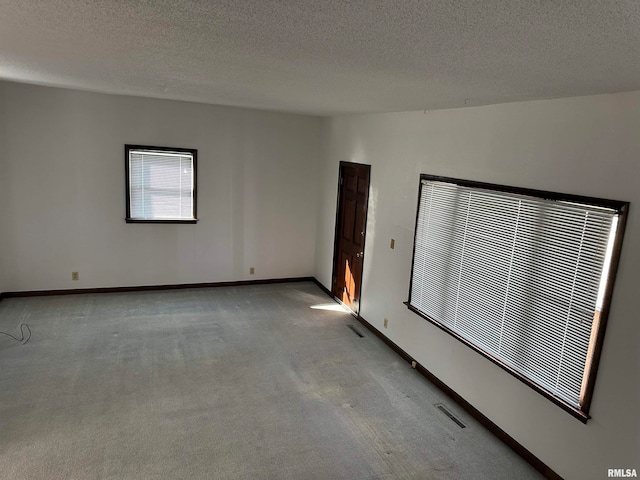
(587, 146)
(3, 189)
(64, 204)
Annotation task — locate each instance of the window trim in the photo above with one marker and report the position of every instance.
(621, 207)
(194, 154)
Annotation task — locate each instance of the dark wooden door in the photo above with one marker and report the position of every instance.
(351, 223)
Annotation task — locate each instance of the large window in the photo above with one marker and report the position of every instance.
(161, 184)
(522, 276)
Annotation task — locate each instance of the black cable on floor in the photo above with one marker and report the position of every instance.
(22, 327)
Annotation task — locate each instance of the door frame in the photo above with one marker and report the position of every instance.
(336, 233)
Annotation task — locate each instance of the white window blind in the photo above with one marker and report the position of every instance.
(519, 277)
(161, 185)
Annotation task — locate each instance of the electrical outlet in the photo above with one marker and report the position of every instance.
(252, 271)
(392, 245)
(386, 323)
(74, 276)
(414, 364)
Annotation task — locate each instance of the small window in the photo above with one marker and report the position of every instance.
(161, 184)
(524, 277)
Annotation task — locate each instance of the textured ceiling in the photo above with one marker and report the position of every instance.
(325, 56)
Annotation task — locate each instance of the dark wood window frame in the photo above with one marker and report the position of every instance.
(194, 154)
(621, 208)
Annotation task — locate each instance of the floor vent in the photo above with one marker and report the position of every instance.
(444, 410)
(355, 330)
